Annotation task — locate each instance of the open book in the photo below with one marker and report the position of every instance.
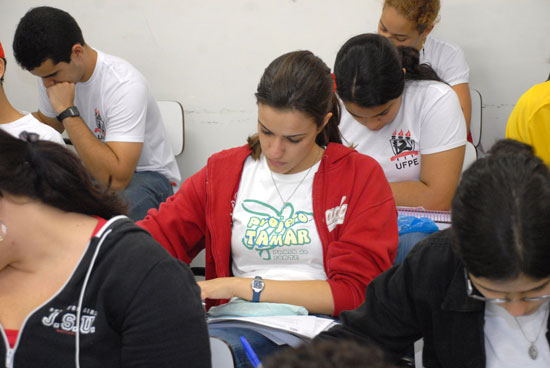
(419, 212)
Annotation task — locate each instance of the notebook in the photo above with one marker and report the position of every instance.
(304, 328)
(419, 212)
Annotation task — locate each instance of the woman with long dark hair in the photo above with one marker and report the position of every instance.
(400, 113)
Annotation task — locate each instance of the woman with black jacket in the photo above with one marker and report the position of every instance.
(81, 285)
(478, 293)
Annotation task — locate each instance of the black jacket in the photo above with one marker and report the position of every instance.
(424, 297)
(141, 308)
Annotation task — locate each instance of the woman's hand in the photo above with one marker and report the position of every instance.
(225, 288)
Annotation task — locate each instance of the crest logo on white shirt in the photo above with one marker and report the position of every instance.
(335, 216)
(99, 130)
(402, 146)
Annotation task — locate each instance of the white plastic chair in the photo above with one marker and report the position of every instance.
(221, 354)
(470, 155)
(418, 346)
(476, 121)
(174, 124)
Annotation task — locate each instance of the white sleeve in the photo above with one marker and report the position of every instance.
(44, 107)
(54, 137)
(456, 69)
(443, 124)
(126, 113)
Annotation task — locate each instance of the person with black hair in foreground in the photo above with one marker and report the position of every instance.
(478, 293)
(329, 354)
(81, 285)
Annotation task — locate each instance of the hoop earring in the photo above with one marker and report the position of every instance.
(3, 230)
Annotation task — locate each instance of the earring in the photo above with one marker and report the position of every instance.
(3, 230)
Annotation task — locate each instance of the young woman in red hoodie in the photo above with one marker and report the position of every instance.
(293, 217)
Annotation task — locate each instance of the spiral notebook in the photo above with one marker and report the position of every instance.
(420, 212)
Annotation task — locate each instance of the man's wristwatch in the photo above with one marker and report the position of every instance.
(257, 287)
(70, 112)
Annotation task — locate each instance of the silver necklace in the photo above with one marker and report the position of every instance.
(295, 189)
(533, 352)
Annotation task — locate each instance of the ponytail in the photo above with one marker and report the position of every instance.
(410, 60)
(369, 70)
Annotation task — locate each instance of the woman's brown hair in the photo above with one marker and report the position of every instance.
(300, 81)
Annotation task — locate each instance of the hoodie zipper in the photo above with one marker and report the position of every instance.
(9, 357)
(10, 352)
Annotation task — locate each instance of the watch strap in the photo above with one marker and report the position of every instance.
(257, 290)
(69, 112)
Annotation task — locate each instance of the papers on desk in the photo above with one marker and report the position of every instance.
(420, 212)
(278, 328)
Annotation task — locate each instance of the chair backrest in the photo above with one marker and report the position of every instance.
(476, 121)
(222, 356)
(174, 124)
(470, 155)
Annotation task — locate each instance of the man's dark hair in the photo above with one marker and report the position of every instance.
(45, 33)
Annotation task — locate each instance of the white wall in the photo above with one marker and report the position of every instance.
(210, 54)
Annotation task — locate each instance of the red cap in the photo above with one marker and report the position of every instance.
(2, 52)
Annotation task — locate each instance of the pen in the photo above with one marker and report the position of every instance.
(251, 355)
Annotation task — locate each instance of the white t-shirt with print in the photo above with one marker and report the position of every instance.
(429, 120)
(117, 105)
(271, 240)
(30, 124)
(446, 59)
(505, 344)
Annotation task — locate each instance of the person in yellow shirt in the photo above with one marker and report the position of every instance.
(529, 122)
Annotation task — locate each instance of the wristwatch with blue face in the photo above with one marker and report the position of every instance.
(257, 287)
